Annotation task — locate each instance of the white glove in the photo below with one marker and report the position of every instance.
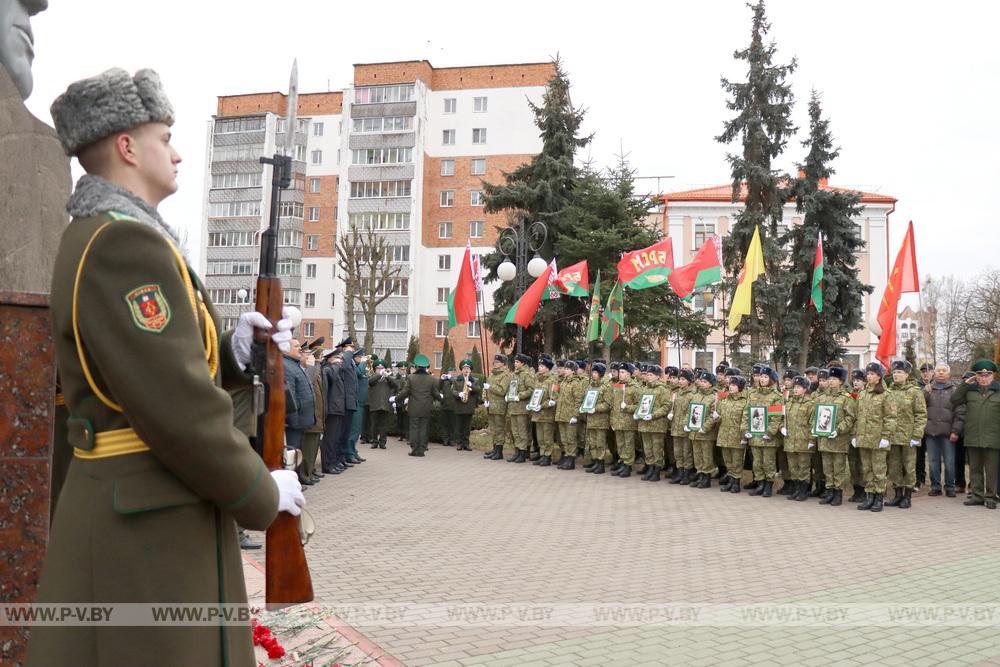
(552, 403)
(486, 404)
(623, 405)
(715, 415)
(833, 434)
(784, 431)
(854, 443)
(486, 385)
(766, 437)
(572, 420)
(242, 337)
(392, 399)
(812, 445)
(883, 444)
(914, 443)
(290, 497)
(670, 416)
(748, 435)
(647, 418)
(687, 429)
(406, 401)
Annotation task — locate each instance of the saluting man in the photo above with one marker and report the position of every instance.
(160, 477)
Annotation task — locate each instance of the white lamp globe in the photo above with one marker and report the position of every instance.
(292, 313)
(536, 267)
(242, 294)
(507, 271)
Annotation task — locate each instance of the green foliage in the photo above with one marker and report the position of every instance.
(763, 106)
(447, 356)
(413, 349)
(477, 361)
(387, 358)
(809, 337)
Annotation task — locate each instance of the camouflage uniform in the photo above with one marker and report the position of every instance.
(567, 392)
(875, 423)
(909, 410)
(728, 416)
(598, 422)
(764, 449)
(702, 443)
(544, 419)
(682, 440)
(799, 413)
(497, 411)
(520, 422)
(622, 423)
(654, 430)
(834, 450)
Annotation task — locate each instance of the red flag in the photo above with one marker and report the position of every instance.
(465, 291)
(524, 309)
(704, 269)
(647, 267)
(573, 280)
(902, 279)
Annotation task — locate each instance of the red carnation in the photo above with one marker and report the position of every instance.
(275, 651)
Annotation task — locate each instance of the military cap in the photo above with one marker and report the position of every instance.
(569, 364)
(547, 362)
(720, 369)
(378, 363)
(839, 372)
(984, 365)
(360, 352)
(732, 372)
(699, 369)
(347, 341)
(926, 367)
(822, 373)
(599, 368)
(812, 369)
(738, 380)
(702, 374)
(401, 364)
(502, 358)
(654, 369)
(560, 363)
(113, 101)
(876, 368)
(672, 371)
(968, 374)
(687, 374)
(769, 372)
(801, 381)
(465, 363)
(582, 363)
(327, 353)
(421, 361)
(626, 366)
(524, 359)
(902, 365)
(857, 374)
(791, 373)
(757, 368)
(615, 365)
(545, 355)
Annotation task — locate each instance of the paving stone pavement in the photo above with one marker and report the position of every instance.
(453, 529)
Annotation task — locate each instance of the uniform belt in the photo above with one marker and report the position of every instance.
(113, 443)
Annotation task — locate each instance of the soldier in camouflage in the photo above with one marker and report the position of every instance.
(728, 417)
(909, 410)
(766, 405)
(702, 401)
(799, 442)
(833, 447)
(625, 400)
(598, 420)
(544, 418)
(494, 392)
(677, 417)
(654, 426)
(568, 394)
(873, 436)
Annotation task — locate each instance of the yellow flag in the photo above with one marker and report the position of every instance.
(752, 267)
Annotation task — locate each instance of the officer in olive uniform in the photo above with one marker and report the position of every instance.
(519, 390)
(402, 423)
(467, 391)
(159, 477)
(568, 394)
(833, 447)
(545, 416)
(729, 416)
(873, 436)
(496, 407)
(381, 386)
(419, 395)
(677, 417)
(909, 411)
(447, 410)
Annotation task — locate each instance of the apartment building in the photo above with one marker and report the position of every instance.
(404, 150)
(690, 217)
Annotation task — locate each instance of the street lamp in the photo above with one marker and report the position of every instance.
(519, 241)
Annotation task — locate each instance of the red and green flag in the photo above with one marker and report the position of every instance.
(571, 281)
(613, 317)
(462, 299)
(816, 298)
(647, 267)
(704, 269)
(594, 323)
(524, 309)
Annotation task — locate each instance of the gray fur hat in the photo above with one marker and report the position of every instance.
(114, 101)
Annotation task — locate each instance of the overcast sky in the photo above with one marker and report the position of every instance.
(911, 87)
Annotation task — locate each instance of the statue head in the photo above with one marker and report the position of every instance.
(17, 43)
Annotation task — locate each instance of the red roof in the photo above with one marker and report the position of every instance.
(724, 193)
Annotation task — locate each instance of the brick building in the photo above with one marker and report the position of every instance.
(404, 149)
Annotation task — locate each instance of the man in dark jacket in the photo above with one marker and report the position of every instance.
(300, 404)
(418, 396)
(944, 426)
(349, 373)
(334, 381)
(357, 422)
(447, 412)
(981, 396)
(311, 437)
(381, 386)
(466, 390)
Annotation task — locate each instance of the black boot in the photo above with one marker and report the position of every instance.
(616, 468)
(905, 503)
(827, 497)
(803, 492)
(877, 503)
(669, 470)
(676, 477)
(793, 489)
(819, 490)
(654, 474)
(590, 466)
(859, 495)
(534, 455)
(490, 454)
(538, 461)
(645, 469)
(869, 501)
(768, 489)
(498, 456)
(758, 489)
(510, 459)
(752, 486)
(735, 486)
(706, 481)
(599, 468)
(725, 484)
(838, 498)
(786, 488)
(625, 471)
(521, 457)
(897, 499)
(545, 461)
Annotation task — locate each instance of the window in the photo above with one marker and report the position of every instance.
(310, 301)
(705, 305)
(386, 124)
(444, 230)
(441, 328)
(302, 125)
(447, 167)
(241, 152)
(281, 125)
(702, 232)
(308, 329)
(479, 166)
(383, 322)
(232, 296)
(300, 152)
(288, 238)
(479, 104)
(231, 239)
(234, 209)
(290, 209)
(382, 156)
(472, 329)
(312, 242)
(476, 229)
(704, 359)
(313, 185)
(333, 327)
(442, 294)
(376, 287)
(399, 287)
(450, 104)
(231, 268)
(447, 198)
(317, 129)
(317, 157)
(289, 267)
(379, 189)
(313, 213)
(437, 359)
(479, 135)
(333, 300)
(310, 270)
(398, 253)
(382, 222)
(239, 125)
(448, 137)
(220, 181)
(383, 94)
(291, 297)
(476, 198)
(444, 262)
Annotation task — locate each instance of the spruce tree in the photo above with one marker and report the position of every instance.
(413, 349)
(387, 358)
(763, 106)
(447, 356)
(477, 360)
(811, 337)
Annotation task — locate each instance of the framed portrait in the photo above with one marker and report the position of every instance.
(696, 416)
(535, 402)
(758, 420)
(512, 391)
(645, 406)
(825, 420)
(589, 401)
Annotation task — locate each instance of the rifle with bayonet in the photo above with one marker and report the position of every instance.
(287, 579)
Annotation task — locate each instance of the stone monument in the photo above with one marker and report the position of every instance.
(34, 187)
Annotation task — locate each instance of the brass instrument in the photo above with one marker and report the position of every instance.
(467, 389)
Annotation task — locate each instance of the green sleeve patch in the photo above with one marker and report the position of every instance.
(149, 308)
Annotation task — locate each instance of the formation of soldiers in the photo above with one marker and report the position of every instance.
(823, 432)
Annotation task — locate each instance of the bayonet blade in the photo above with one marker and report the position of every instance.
(293, 103)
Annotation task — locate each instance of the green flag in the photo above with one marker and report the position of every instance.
(594, 323)
(452, 317)
(613, 318)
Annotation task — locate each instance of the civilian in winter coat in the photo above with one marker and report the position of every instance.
(981, 396)
(945, 423)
